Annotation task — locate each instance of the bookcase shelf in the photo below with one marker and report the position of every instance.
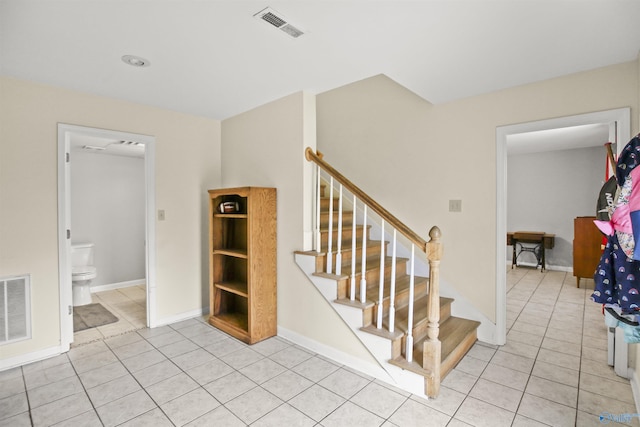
(238, 288)
(243, 262)
(238, 253)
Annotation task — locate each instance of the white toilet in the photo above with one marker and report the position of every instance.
(82, 272)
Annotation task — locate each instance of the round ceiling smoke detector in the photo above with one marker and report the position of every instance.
(135, 61)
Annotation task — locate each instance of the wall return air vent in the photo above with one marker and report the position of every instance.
(276, 19)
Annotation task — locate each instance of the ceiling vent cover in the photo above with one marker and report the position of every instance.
(277, 20)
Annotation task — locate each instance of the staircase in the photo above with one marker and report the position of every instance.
(438, 343)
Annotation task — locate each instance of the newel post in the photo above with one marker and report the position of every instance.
(432, 346)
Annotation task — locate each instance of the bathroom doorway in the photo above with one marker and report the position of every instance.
(106, 198)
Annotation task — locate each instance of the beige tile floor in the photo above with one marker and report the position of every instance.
(127, 304)
(551, 372)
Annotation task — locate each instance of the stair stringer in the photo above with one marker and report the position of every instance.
(379, 347)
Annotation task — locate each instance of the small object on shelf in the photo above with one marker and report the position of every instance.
(242, 257)
(229, 207)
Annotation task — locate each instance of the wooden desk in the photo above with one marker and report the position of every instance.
(540, 241)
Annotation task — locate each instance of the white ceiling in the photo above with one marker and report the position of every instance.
(566, 138)
(96, 145)
(212, 58)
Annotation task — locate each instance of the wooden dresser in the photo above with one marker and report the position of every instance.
(587, 242)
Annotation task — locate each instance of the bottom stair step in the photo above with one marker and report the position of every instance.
(453, 332)
(457, 336)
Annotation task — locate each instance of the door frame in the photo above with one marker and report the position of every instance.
(619, 121)
(64, 221)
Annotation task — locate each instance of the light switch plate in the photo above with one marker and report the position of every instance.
(455, 205)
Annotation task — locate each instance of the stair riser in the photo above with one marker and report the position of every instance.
(373, 275)
(347, 219)
(463, 347)
(402, 298)
(373, 282)
(367, 316)
(372, 278)
(419, 331)
(372, 252)
(347, 235)
(324, 203)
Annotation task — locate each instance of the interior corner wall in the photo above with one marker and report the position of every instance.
(413, 157)
(187, 164)
(265, 147)
(548, 190)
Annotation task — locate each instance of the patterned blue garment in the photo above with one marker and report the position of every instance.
(616, 278)
(618, 273)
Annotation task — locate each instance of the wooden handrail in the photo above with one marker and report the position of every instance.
(375, 206)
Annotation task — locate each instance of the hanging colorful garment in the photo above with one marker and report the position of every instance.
(617, 278)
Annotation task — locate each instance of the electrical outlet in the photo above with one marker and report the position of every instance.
(161, 215)
(455, 205)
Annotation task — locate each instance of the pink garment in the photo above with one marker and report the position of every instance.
(634, 198)
(620, 221)
(628, 201)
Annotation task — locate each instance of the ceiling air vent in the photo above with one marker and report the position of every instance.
(277, 20)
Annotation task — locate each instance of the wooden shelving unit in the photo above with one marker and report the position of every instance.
(242, 261)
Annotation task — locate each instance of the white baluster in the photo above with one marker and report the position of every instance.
(318, 235)
(339, 243)
(392, 286)
(330, 235)
(409, 340)
(353, 250)
(363, 274)
(381, 284)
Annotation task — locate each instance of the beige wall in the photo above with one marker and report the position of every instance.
(187, 163)
(265, 147)
(408, 153)
(416, 156)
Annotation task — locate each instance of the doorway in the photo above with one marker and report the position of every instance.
(99, 140)
(619, 122)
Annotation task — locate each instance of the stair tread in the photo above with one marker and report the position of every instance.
(413, 366)
(373, 263)
(371, 245)
(402, 284)
(452, 332)
(325, 228)
(420, 313)
(336, 213)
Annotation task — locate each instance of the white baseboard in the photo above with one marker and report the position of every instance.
(119, 285)
(26, 358)
(180, 317)
(334, 354)
(550, 267)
